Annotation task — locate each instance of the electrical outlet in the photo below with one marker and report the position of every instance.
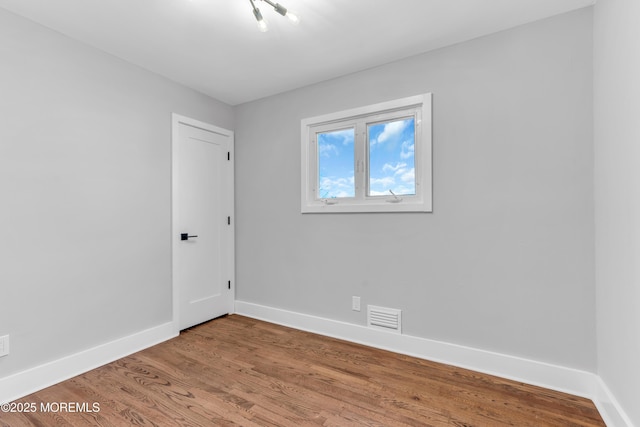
(355, 303)
(4, 345)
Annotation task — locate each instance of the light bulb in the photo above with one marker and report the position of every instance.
(284, 12)
(293, 17)
(262, 24)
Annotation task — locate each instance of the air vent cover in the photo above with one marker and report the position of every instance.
(388, 319)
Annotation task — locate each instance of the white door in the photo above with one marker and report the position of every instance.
(202, 216)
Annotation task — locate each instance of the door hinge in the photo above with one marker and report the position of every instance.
(229, 284)
(228, 220)
(228, 155)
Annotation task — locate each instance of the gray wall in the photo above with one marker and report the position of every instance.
(617, 189)
(505, 261)
(85, 181)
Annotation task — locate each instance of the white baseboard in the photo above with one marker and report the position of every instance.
(559, 378)
(609, 408)
(26, 382)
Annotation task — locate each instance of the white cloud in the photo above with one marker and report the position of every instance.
(345, 136)
(408, 150)
(336, 187)
(385, 182)
(338, 182)
(394, 168)
(326, 150)
(392, 130)
(398, 190)
(409, 176)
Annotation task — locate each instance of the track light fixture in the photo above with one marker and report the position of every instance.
(262, 24)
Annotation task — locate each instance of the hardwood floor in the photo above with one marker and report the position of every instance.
(239, 371)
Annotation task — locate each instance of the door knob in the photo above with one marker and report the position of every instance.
(185, 236)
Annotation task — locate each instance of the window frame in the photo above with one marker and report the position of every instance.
(419, 107)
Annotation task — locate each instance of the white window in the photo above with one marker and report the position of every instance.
(370, 159)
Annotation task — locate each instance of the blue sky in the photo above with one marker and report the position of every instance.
(336, 157)
(391, 160)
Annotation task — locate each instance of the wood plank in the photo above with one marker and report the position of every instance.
(236, 371)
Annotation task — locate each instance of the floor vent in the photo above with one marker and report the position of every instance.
(388, 319)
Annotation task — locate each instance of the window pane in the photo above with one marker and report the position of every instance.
(391, 157)
(336, 164)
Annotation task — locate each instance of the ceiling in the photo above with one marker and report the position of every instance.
(214, 46)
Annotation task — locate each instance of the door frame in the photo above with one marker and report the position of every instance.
(176, 121)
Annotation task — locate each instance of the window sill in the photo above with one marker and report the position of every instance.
(370, 207)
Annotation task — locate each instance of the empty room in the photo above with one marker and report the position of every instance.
(337, 213)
